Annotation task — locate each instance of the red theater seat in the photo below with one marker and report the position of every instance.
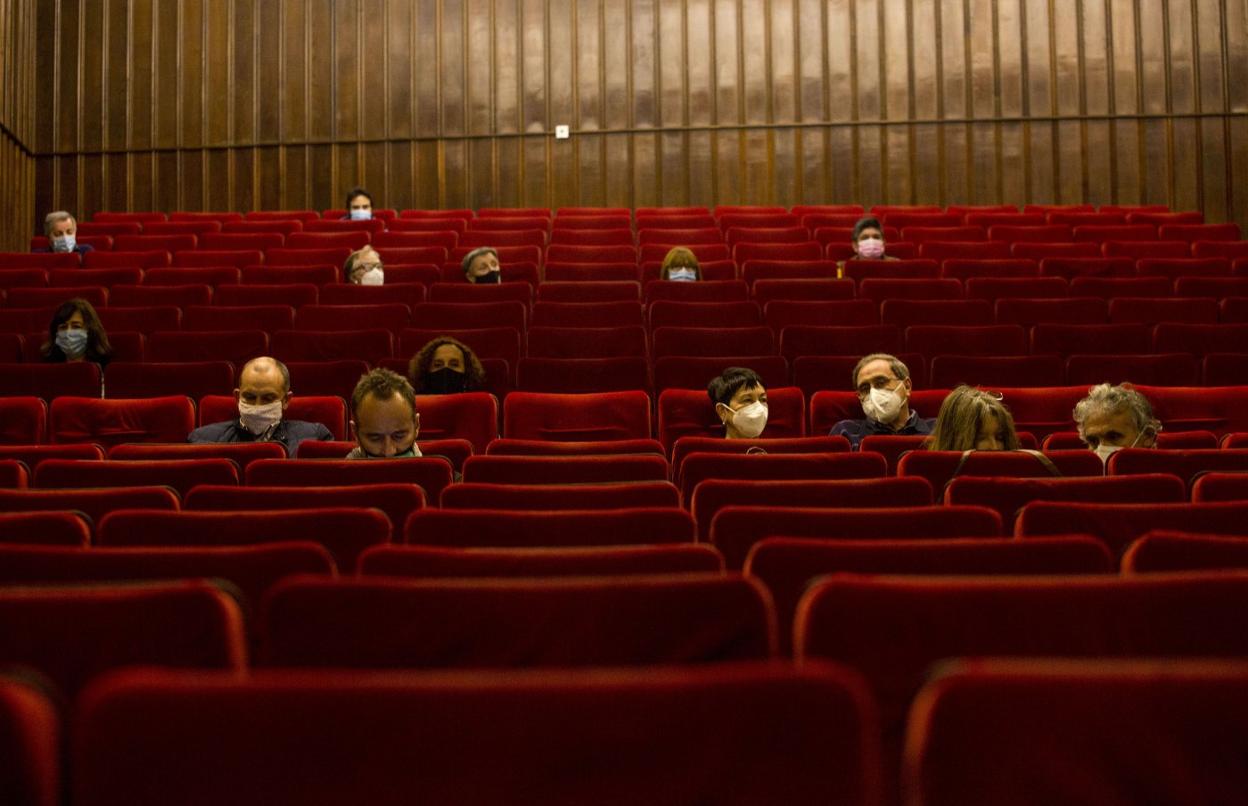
(543, 447)
(1095, 265)
(787, 269)
(780, 314)
(712, 341)
(583, 375)
(1183, 551)
(179, 474)
(1144, 310)
(149, 295)
(107, 278)
(571, 469)
(396, 500)
(500, 623)
(1188, 465)
(1063, 339)
(241, 453)
(567, 342)
(941, 467)
(431, 474)
(882, 289)
(572, 272)
(588, 314)
(79, 379)
(1225, 369)
(695, 372)
(454, 451)
(143, 320)
(32, 260)
(1175, 268)
(979, 266)
(603, 291)
(818, 290)
(352, 345)
(238, 347)
(1215, 486)
(49, 298)
(1064, 311)
(109, 422)
(346, 294)
(394, 739)
(949, 371)
(94, 503)
(435, 562)
(687, 445)
(1117, 525)
(688, 412)
(696, 468)
(14, 475)
(631, 495)
(336, 318)
(982, 732)
(1217, 409)
(293, 295)
(233, 258)
(934, 340)
(509, 528)
(672, 313)
(30, 736)
(1200, 339)
(1168, 369)
(995, 288)
(1008, 495)
(42, 529)
(472, 293)
(905, 312)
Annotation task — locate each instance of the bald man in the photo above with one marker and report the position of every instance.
(262, 395)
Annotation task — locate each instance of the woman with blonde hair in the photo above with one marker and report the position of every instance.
(972, 419)
(680, 264)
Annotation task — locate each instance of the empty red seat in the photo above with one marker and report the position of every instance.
(782, 313)
(799, 290)
(1184, 551)
(407, 294)
(396, 500)
(941, 467)
(1219, 486)
(154, 243)
(948, 371)
(437, 562)
(712, 341)
(363, 345)
(598, 291)
(1114, 232)
(431, 474)
(686, 445)
(94, 503)
(287, 295)
(1192, 232)
(1072, 266)
(392, 740)
(735, 529)
(1117, 525)
(1225, 369)
(1174, 268)
(1039, 234)
(966, 268)
(563, 342)
(307, 256)
(1217, 409)
(143, 319)
(695, 372)
(1146, 310)
(803, 340)
(994, 288)
(49, 298)
(333, 318)
(474, 293)
(983, 732)
(609, 415)
(180, 474)
(32, 260)
(236, 258)
(509, 623)
(30, 769)
(688, 412)
(241, 453)
(42, 529)
(1228, 249)
(1067, 311)
(1200, 339)
(696, 468)
(14, 475)
(588, 314)
(327, 240)
(631, 495)
(1186, 464)
(238, 346)
(569, 469)
(1146, 249)
(1065, 339)
(583, 375)
(80, 379)
(1008, 495)
(933, 340)
(1113, 287)
(1165, 369)
(510, 528)
(80, 419)
(757, 269)
(904, 312)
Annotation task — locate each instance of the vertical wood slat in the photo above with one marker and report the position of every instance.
(249, 103)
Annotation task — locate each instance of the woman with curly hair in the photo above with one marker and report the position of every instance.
(445, 366)
(75, 334)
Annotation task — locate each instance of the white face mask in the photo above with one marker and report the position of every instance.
(361, 215)
(373, 277)
(883, 405)
(750, 420)
(871, 248)
(258, 419)
(73, 343)
(1106, 451)
(682, 274)
(64, 243)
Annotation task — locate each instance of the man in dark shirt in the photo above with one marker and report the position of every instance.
(883, 385)
(263, 394)
(62, 232)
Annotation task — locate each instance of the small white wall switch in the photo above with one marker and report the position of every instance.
(562, 133)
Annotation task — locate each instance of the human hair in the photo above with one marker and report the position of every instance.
(418, 367)
(55, 218)
(348, 265)
(679, 257)
(895, 364)
(358, 191)
(1109, 399)
(960, 418)
(280, 368)
(382, 384)
(98, 348)
(732, 380)
(868, 222)
(476, 253)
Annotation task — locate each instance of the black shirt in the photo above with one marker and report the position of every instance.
(855, 430)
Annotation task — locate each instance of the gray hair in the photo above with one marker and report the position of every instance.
(1110, 399)
(54, 218)
(895, 364)
(476, 253)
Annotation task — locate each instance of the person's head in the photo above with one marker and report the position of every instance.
(868, 239)
(972, 419)
(384, 417)
(444, 366)
(359, 204)
(883, 384)
(1115, 417)
(75, 333)
(62, 231)
(680, 264)
(364, 267)
(481, 265)
(263, 394)
(740, 401)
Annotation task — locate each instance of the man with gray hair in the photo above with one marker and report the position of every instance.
(883, 385)
(262, 396)
(62, 232)
(1111, 418)
(481, 266)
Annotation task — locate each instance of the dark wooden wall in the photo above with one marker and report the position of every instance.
(17, 124)
(239, 104)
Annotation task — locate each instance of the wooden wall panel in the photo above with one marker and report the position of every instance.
(236, 104)
(19, 96)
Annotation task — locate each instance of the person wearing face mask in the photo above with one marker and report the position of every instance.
(868, 243)
(973, 420)
(883, 385)
(62, 232)
(481, 266)
(740, 401)
(1111, 418)
(384, 417)
(680, 265)
(262, 396)
(359, 205)
(75, 334)
(364, 267)
(445, 366)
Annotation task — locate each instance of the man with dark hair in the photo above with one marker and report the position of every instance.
(262, 396)
(359, 205)
(740, 401)
(384, 418)
(481, 266)
(883, 385)
(868, 242)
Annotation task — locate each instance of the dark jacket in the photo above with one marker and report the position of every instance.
(288, 432)
(855, 430)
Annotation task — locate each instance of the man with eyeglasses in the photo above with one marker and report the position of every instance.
(883, 385)
(364, 267)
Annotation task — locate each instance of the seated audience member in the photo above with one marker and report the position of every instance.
(868, 243)
(364, 267)
(883, 385)
(262, 395)
(75, 334)
(973, 420)
(1111, 418)
(481, 266)
(62, 232)
(359, 205)
(385, 421)
(740, 402)
(445, 366)
(680, 264)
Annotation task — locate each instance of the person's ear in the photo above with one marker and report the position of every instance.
(721, 411)
(286, 400)
(237, 395)
(909, 385)
(351, 432)
(416, 425)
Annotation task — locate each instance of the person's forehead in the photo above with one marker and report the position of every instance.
(1114, 420)
(865, 231)
(260, 377)
(383, 414)
(874, 368)
(447, 351)
(750, 391)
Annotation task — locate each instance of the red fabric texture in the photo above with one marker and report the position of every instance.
(500, 528)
